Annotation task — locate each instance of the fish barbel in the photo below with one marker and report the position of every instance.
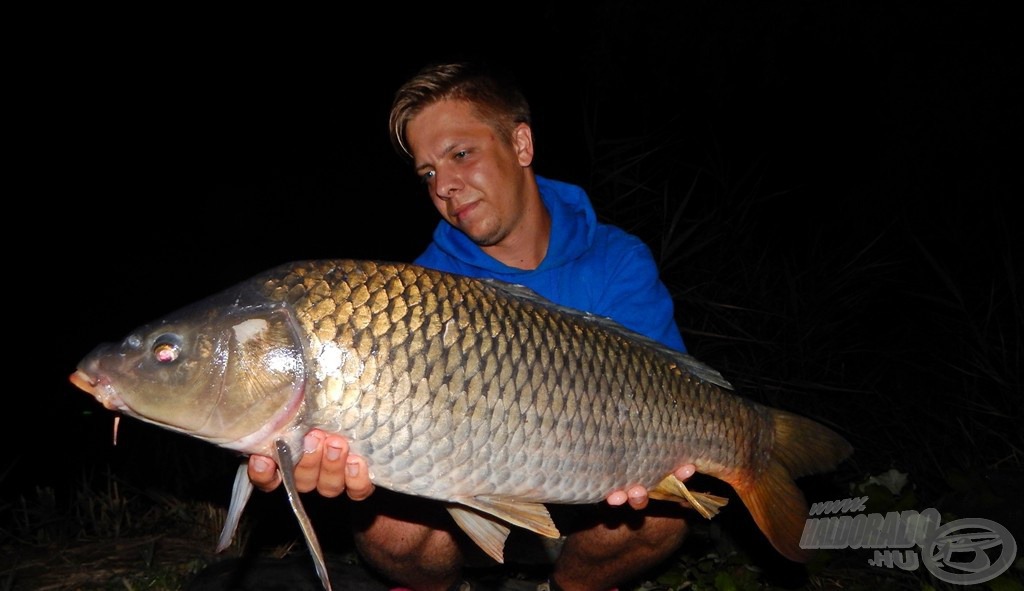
(476, 393)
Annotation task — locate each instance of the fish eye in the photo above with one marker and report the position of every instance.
(166, 349)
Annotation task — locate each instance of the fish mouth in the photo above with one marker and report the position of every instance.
(98, 388)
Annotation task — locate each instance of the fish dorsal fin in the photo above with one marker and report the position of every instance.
(485, 530)
(240, 492)
(283, 456)
(486, 525)
(673, 489)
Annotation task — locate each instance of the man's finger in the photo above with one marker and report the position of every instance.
(263, 473)
(637, 497)
(617, 498)
(357, 478)
(307, 470)
(684, 472)
(332, 467)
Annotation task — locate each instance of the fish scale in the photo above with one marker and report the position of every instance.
(475, 393)
(532, 335)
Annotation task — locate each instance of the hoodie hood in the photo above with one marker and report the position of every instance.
(573, 224)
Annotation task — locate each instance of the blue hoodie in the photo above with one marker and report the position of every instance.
(590, 266)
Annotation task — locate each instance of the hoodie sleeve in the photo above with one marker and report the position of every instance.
(634, 294)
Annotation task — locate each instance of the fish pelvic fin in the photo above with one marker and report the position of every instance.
(485, 518)
(673, 489)
(240, 492)
(488, 532)
(801, 446)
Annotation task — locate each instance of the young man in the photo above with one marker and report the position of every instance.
(468, 135)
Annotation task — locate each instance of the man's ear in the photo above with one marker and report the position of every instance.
(522, 143)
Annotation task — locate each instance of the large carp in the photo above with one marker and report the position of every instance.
(476, 393)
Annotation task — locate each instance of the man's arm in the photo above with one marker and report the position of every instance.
(633, 294)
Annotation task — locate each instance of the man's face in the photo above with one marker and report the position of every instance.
(475, 179)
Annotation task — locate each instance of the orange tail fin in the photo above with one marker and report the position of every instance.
(801, 446)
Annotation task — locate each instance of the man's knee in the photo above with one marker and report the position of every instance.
(410, 553)
(664, 533)
(394, 540)
(654, 536)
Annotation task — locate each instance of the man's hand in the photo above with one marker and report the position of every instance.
(637, 495)
(326, 465)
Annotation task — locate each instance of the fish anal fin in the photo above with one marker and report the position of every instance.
(673, 489)
(488, 533)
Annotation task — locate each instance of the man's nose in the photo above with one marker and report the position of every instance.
(446, 185)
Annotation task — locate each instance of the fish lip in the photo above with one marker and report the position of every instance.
(255, 442)
(99, 388)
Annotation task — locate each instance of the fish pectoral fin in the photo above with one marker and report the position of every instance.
(240, 492)
(488, 532)
(283, 456)
(673, 489)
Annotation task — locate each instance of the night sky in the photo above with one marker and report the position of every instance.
(175, 155)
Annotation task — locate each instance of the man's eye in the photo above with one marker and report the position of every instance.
(461, 154)
(427, 176)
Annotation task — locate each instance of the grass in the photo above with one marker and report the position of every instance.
(105, 534)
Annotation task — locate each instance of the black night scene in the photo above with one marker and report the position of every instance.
(827, 188)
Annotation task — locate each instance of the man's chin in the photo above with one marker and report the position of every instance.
(480, 237)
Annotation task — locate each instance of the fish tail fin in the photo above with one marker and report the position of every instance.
(801, 446)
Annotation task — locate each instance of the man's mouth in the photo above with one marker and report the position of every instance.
(461, 211)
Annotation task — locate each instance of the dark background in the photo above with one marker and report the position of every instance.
(167, 156)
